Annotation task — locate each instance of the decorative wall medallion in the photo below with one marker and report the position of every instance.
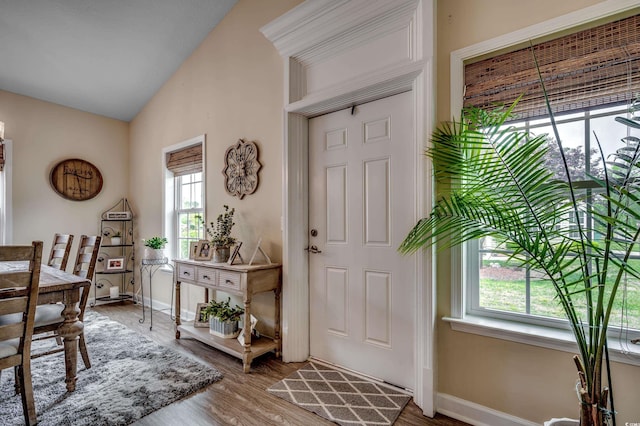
(241, 168)
(76, 179)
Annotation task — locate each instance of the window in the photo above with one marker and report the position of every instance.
(497, 286)
(592, 76)
(184, 195)
(189, 209)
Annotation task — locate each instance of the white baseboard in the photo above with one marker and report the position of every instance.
(476, 414)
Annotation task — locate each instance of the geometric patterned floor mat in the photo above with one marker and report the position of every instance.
(341, 397)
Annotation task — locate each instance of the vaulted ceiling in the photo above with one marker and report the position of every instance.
(107, 57)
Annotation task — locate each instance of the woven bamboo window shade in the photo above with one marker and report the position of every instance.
(186, 160)
(594, 67)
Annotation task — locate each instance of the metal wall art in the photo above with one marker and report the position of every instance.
(241, 168)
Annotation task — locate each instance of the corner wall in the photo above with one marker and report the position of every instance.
(230, 88)
(44, 134)
(521, 380)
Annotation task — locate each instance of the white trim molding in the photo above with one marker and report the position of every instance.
(476, 414)
(339, 53)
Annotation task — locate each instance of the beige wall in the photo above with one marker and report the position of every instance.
(522, 380)
(231, 87)
(44, 134)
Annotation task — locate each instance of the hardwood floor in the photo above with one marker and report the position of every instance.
(237, 399)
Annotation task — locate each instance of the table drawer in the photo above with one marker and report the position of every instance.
(186, 272)
(207, 276)
(229, 280)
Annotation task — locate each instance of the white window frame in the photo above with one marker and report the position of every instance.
(169, 225)
(508, 329)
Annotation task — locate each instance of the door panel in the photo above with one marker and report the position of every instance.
(362, 203)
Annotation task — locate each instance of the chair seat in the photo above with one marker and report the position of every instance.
(9, 347)
(45, 315)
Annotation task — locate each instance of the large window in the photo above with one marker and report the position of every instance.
(591, 76)
(498, 286)
(184, 195)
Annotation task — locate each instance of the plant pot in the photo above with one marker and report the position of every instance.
(562, 422)
(116, 241)
(221, 254)
(153, 254)
(226, 330)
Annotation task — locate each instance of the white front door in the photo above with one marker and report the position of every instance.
(361, 205)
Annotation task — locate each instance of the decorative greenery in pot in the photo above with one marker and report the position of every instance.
(500, 188)
(220, 234)
(155, 242)
(154, 247)
(223, 311)
(223, 319)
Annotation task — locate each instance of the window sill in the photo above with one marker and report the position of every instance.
(562, 340)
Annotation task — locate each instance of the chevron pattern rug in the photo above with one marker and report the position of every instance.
(343, 398)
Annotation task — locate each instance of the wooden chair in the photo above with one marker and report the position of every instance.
(18, 299)
(49, 317)
(60, 250)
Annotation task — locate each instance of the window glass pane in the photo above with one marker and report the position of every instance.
(609, 133)
(190, 196)
(502, 284)
(506, 287)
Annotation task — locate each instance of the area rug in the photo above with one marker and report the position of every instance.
(130, 376)
(341, 397)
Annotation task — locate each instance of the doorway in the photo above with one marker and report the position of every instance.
(361, 205)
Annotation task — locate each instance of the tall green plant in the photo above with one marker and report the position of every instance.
(500, 188)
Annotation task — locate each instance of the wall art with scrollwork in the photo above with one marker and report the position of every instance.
(241, 167)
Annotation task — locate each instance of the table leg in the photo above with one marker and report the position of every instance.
(142, 294)
(150, 299)
(277, 324)
(177, 309)
(246, 354)
(69, 330)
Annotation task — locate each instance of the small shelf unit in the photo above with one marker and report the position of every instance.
(116, 220)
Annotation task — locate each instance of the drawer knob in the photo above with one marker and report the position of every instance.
(206, 277)
(186, 273)
(229, 282)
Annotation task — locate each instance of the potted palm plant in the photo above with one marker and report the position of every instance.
(500, 188)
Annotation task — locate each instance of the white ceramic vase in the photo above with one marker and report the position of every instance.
(153, 254)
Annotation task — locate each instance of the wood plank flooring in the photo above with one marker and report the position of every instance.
(237, 399)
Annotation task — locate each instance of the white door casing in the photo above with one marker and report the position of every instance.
(330, 50)
(361, 192)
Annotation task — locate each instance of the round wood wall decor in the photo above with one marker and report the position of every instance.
(241, 168)
(76, 179)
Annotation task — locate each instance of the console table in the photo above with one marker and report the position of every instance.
(239, 280)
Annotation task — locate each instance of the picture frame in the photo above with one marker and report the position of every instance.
(115, 264)
(204, 250)
(193, 249)
(235, 254)
(118, 215)
(198, 320)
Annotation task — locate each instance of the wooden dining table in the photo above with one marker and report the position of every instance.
(60, 286)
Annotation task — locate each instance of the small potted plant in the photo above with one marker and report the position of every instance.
(223, 318)
(154, 248)
(116, 238)
(220, 234)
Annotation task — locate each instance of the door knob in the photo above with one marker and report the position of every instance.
(313, 249)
